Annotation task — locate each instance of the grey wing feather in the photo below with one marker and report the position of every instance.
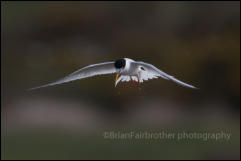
(88, 71)
(163, 74)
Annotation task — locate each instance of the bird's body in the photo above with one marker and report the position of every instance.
(126, 70)
(130, 68)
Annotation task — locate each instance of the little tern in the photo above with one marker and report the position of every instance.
(125, 69)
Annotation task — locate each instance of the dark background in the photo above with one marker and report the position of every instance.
(197, 42)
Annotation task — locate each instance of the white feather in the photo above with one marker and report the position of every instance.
(88, 71)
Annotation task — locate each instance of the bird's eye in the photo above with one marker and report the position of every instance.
(142, 68)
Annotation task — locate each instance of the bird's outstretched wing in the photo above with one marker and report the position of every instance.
(150, 71)
(88, 71)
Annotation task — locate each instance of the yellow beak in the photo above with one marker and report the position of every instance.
(117, 76)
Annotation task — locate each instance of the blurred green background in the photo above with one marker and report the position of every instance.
(197, 42)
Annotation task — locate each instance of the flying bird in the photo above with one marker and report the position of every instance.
(125, 69)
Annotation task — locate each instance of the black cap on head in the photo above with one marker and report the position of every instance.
(120, 63)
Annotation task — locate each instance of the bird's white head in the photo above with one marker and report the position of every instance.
(122, 64)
